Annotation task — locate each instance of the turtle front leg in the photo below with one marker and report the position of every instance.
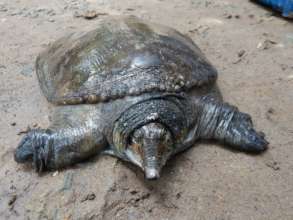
(224, 122)
(51, 149)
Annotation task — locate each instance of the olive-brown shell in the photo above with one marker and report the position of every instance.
(122, 56)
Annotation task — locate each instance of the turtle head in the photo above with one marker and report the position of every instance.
(148, 133)
(150, 147)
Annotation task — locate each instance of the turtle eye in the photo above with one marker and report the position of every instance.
(135, 146)
(137, 134)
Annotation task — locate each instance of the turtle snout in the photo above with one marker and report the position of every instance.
(152, 174)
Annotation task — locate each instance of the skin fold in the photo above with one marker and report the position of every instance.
(138, 91)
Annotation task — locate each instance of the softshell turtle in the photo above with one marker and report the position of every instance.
(135, 90)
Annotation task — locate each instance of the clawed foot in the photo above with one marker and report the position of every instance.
(35, 147)
(243, 136)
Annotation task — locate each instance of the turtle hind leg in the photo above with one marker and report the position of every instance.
(225, 123)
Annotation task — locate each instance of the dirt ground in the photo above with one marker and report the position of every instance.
(253, 52)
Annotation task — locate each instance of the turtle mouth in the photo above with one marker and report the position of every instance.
(133, 157)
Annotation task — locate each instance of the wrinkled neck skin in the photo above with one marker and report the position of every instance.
(147, 133)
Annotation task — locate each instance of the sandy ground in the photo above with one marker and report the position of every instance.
(253, 51)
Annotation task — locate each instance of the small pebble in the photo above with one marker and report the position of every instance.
(274, 165)
(92, 14)
(241, 53)
(266, 44)
(228, 16)
(133, 192)
(12, 200)
(90, 196)
(284, 66)
(271, 111)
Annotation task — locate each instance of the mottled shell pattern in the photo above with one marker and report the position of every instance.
(123, 56)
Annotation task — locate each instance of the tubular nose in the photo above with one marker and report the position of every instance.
(152, 174)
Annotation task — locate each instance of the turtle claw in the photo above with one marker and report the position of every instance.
(34, 147)
(254, 143)
(24, 151)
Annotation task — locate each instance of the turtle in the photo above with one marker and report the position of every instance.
(135, 90)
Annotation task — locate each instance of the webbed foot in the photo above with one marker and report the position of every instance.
(242, 136)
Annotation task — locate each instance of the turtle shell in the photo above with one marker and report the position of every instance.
(122, 56)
